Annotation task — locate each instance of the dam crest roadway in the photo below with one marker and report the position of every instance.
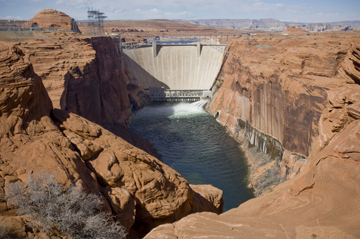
(175, 69)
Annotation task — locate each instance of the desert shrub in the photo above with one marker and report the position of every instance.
(70, 212)
(268, 179)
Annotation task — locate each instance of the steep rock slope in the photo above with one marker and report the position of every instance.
(88, 77)
(272, 99)
(316, 80)
(137, 188)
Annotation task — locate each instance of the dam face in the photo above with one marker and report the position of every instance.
(189, 139)
(175, 67)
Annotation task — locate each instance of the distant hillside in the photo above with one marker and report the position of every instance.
(244, 24)
(353, 24)
(274, 25)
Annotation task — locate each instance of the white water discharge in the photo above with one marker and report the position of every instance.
(188, 110)
(200, 103)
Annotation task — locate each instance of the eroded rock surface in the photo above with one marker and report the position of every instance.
(88, 77)
(137, 188)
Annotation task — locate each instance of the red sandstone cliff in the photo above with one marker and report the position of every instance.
(303, 92)
(88, 77)
(137, 188)
(273, 98)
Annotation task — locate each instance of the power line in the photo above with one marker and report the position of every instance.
(247, 45)
(95, 22)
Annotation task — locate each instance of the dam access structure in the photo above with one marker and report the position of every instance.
(183, 69)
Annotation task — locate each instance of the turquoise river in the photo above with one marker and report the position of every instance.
(192, 142)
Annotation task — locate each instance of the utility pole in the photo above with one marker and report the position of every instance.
(247, 45)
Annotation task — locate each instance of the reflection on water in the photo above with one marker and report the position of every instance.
(193, 143)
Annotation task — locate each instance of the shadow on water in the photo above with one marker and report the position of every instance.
(193, 143)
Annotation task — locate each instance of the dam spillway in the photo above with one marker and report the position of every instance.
(175, 66)
(188, 138)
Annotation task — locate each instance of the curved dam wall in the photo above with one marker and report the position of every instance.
(177, 67)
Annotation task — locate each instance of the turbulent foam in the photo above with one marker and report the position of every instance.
(188, 110)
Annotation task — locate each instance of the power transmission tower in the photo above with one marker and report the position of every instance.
(95, 22)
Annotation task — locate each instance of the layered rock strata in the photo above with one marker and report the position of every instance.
(138, 189)
(273, 98)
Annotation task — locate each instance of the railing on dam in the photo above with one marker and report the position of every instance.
(136, 41)
(161, 94)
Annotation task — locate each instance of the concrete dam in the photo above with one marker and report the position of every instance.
(175, 71)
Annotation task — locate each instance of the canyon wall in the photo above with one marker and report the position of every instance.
(273, 98)
(286, 91)
(136, 188)
(177, 67)
(87, 76)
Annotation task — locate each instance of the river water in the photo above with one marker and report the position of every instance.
(194, 144)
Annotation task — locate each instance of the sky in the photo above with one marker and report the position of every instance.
(293, 11)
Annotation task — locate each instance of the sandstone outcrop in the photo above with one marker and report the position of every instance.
(88, 77)
(316, 81)
(54, 20)
(137, 188)
(294, 30)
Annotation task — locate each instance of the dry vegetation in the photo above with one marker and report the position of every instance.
(70, 212)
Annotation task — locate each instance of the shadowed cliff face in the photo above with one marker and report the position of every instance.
(87, 77)
(98, 91)
(303, 93)
(136, 188)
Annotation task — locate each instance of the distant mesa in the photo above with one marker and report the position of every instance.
(294, 30)
(49, 18)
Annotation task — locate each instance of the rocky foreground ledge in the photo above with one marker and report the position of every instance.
(137, 188)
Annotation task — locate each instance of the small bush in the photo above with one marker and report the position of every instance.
(6, 233)
(70, 212)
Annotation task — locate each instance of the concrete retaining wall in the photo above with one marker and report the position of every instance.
(175, 67)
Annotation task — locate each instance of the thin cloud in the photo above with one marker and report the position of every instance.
(189, 9)
(13, 18)
(156, 13)
(74, 3)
